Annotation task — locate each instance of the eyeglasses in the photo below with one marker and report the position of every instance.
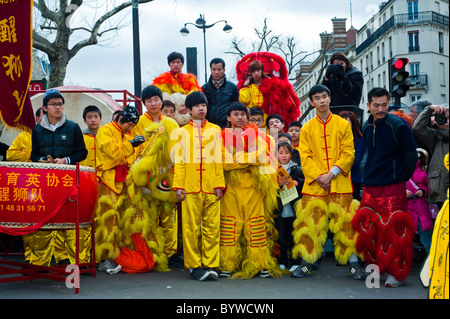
(257, 120)
(55, 104)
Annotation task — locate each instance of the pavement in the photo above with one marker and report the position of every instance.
(330, 281)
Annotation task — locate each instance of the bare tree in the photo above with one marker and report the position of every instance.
(56, 23)
(267, 41)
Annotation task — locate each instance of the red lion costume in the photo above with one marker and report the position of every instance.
(279, 96)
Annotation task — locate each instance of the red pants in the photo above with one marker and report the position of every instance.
(386, 230)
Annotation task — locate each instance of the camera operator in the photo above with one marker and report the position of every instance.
(344, 81)
(435, 137)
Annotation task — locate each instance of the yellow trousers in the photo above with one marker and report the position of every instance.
(200, 223)
(169, 223)
(109, 211)
(315, 215)
(42, 245)
(242, 213)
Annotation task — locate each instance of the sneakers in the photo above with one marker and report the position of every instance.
(392, 282)
(264, 274)
(109, 266)
(303, 270)
(356, 272)
(225, 274)
(201, 274)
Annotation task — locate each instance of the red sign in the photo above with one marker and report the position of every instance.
(45, 194)
(15, 63)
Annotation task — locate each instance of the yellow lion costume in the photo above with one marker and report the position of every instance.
(152, 220)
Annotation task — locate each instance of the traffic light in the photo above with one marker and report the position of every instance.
(397, 77)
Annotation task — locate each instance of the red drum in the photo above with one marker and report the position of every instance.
(32, 192)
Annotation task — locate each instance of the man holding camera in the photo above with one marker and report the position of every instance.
(435, 138)
(344, 81)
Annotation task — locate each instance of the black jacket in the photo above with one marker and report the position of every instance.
(66, 141)
(219, 100)
(346, 90)
(296, 174)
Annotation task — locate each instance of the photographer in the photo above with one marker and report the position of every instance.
(435, 138)
(344, 81)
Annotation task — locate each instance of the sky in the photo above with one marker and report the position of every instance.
(110, 65)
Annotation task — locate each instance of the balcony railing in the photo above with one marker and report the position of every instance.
(418, 81)
(403, 20)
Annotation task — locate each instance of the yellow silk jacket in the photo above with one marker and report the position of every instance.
(113, 149)
(20, 149)
(89, 141)
(251, 96)
(198, 158)
(324, 145)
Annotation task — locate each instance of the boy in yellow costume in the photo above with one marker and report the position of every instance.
(327, 154)
(152, 98)
(114, 147)
(199, 183)
(245, 246)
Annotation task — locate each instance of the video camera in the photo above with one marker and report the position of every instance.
(335, 69)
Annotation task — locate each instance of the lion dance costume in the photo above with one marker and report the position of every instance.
(247, 231)
(438, 286)
(322, 146)
(148, 186)
(275, 95)
(176, 87)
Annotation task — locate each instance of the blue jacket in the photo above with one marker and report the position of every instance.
(391, 151)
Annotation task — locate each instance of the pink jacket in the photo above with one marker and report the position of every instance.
(418, 207)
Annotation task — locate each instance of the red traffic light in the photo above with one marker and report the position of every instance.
(400, 63)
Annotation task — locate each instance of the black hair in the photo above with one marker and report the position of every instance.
(274, 116)
(216, 61)
(91, 108)
(237, 106)
(378, 92)
(256, 111)
(282, 134)
(39, 110)
(168, 103)
(295, 123)
(286, 145)
(173, 56)
(318, 88)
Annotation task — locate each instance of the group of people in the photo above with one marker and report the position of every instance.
(259, 195)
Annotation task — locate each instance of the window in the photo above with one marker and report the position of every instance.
(413, 10)
(414, 41)
(415, 69)
(441, 43)
(390, 47)
(414, 97)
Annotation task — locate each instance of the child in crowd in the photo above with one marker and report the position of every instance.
(199, 183)
(417, 194)
(257, 116)
(285, 214)
(168, 108)
(294, 131)
(285, 137)
(275, 125)
(92, 117)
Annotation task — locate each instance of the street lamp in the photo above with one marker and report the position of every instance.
(201, 24)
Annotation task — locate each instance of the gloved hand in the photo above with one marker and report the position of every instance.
(138, 140)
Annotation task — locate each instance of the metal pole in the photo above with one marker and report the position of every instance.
(136, 51)
(204, 49)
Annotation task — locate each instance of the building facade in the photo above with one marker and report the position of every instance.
(414, 29)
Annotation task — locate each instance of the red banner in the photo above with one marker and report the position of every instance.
(16, 63)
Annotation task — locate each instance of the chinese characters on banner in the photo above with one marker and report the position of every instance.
(15, 63)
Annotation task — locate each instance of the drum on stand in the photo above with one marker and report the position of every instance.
(29, 192)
